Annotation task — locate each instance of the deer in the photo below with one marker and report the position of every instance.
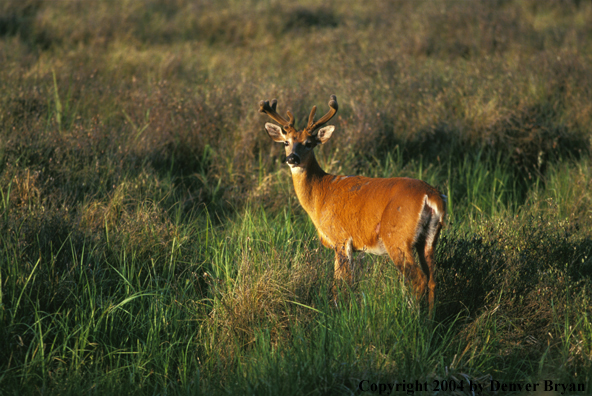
(381, 216)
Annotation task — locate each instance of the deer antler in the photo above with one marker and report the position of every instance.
(270, 110)
(324, 119)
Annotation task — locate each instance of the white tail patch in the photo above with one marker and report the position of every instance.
(433, 206)
(427, 225)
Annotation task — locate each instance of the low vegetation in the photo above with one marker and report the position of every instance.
(151, 242)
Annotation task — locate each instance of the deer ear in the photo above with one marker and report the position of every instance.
(275, 132)
(324, 134)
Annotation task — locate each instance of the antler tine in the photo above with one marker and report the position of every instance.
(311, 117)
(290, 118)
(271, 111)
(324, 119)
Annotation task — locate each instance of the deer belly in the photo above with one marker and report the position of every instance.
(377, 248)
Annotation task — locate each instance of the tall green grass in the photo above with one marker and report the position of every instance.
(257, 316)
(151, 241)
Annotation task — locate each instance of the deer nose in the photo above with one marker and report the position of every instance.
(293, 159)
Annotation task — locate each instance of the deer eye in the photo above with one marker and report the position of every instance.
(308, 143)
(286, 143)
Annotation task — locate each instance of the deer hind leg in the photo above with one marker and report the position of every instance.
(399, 244)
(343, 265)
(402, 256)
(429, 254)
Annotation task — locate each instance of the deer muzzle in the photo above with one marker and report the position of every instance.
(293, 159)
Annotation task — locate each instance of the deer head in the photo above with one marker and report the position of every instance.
(299, 145)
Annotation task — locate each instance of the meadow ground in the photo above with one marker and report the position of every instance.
(151, 242)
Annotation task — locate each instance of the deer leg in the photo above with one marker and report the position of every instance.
(402, 256)
(399, 235)
(429, 259)
(426, 259)
(343, 266)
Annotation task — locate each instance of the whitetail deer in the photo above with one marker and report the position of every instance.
(355, 213)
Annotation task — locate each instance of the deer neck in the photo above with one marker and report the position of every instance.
(308, 184)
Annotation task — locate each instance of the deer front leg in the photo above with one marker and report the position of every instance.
(343, 266)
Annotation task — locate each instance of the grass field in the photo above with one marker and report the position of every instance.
(151, 241)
